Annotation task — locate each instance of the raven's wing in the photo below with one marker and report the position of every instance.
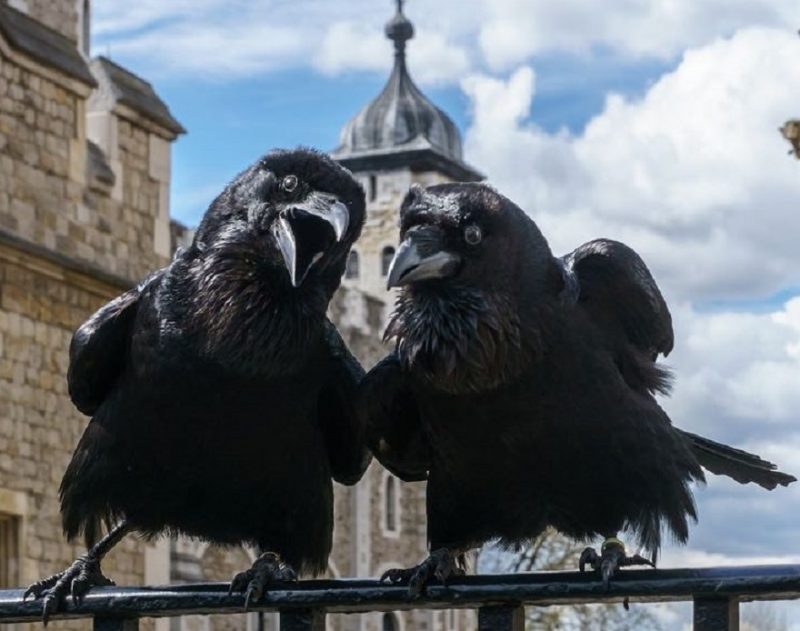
(617, 291)
(392, 420)
(735, 463)
(99, 349)
(620, 296)
(341, 427)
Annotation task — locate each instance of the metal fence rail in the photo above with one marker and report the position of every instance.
(500, 600)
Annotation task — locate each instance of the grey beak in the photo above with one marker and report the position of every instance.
(421, 257)
(301, 234)
(288, 247)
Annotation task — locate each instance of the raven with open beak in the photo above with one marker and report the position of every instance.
(220, 394)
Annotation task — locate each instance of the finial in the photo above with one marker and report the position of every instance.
(399, 29)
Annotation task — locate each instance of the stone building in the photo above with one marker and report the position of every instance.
(84, 213)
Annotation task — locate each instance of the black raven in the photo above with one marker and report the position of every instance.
(221, 397)
(521, 388)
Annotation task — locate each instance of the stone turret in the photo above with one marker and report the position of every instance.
(399, 138)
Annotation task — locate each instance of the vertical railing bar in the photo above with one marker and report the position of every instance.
(501, 618)
(302, 620)
(103, 623)
(716, 613)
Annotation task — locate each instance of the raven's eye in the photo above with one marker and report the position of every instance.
(473, 234)
(289, 183)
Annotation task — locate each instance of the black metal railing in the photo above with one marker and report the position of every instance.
(500, 600)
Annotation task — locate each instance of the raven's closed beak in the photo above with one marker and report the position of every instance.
(305, 231)
(421, 256)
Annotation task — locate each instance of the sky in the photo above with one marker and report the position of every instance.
(654, 122)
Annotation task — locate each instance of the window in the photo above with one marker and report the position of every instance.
(390, 622)
(351, 269)
(386, 259)
(9, 551)
(390, 497)
(373, 188)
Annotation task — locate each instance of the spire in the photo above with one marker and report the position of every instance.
(399, 29)
(401, 123)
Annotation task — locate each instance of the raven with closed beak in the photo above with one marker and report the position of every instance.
(221, 397)
(522, 389)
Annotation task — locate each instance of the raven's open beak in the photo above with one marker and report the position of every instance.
(305, 231)
(421, 256)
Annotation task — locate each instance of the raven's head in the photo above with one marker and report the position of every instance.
(472, 268)
(267, 257)
(294, 214)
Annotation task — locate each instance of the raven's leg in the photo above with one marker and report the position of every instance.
(267, 569)
(441, 564)
(79, 577)
(612, 557)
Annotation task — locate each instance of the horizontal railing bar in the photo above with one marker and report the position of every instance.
(767, 582)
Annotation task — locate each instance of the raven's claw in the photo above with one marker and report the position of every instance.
(267, 569)
(76, 580)
(441, 565)
(611, 559)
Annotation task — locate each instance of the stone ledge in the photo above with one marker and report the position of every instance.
(16, 250)
(33, 39)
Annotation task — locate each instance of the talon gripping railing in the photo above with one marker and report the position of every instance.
(500, 600)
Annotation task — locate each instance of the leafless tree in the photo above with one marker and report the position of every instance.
(551, 551)
(762, 616)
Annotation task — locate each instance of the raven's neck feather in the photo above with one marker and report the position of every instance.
(459, 340)
(239, 317)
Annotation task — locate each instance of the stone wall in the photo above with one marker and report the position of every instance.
(382, 225)
(44, 196)
(40, 306)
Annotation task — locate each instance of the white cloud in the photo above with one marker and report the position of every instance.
(517, 29)
(694, 175)
(738, 368)
(234, 38)
(349, 46)
(220, 40)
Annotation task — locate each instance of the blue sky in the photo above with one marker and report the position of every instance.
(230, 123)
(654, 123)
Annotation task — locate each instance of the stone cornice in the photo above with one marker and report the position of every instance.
(57, 266)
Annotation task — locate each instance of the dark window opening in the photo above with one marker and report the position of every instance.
(373, 188)
(9, 551)
(351, 269)
(386, 259)
(391, 504)
(390, 622)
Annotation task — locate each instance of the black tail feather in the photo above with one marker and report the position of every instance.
(735, 463)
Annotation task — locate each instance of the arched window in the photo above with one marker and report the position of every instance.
(351, 269)
(390, 622)
(373, 188)
(386, 259)
(390, 497)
